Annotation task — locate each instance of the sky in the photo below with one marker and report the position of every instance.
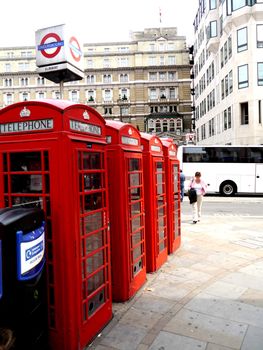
(93, 21)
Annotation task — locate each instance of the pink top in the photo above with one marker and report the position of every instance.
(196, 185)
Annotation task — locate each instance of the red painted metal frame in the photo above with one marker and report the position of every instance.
(155, 224)
(172, 171)
(76, 128)
(127, 226)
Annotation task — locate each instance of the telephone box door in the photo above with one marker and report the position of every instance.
(161, 215)
(136, 222)
(175, 211)
(94, 259)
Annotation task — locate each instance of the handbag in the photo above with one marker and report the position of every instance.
(192, 195)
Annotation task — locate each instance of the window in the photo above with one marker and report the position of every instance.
(152, 47)
(212, 30)
(107, 95)
(237, 4)
(107, 110)
(243, 76)
(24, 96)
(229, 46)
(40, 95)
(162, 61)
(260, 73)
(162, 76)
(23, 66)
(152, 61)
(171, 76)
(172, 93)
(124, 94)
(152, 76)
(8, 82)
(229, 118)
(89, 63)
(8, 99)
(230, 81)
(56, 95)
(7, 67)
(106, 78)
(244, 113)
(106, 62)
(74, 96)
(90, 95)
(90, 79)
(123, 62)
(24, 81)
(242, 39)
(124, 78)
(260, 35)
(171, 60)
(222, 89)
(212, 4)
(40, 81)
(153, 94)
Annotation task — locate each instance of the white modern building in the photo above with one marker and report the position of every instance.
(228, 72)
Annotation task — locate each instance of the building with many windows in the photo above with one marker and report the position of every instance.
(145, 81)
(228, 72)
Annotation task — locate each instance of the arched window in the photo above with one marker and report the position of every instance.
(158, 126)
(172, 125)
(165, 125)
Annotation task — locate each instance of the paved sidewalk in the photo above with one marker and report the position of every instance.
(208, 296)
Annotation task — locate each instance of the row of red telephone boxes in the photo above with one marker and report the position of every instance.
(112, 201)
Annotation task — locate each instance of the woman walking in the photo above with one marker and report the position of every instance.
(200, 187)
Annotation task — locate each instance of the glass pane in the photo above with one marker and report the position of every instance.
(5, 161)
(135, 208)
(136, 238)
(25, 161)
(93, 222)
(27, 202)
(94, 242)
(26, 183)
(134, 179)
(95, 282)
(93, 202)
(92, 181)
(137, 252)
(95, 261)
(136, 223)
(46, 161)
(91, 160)
(134, 164)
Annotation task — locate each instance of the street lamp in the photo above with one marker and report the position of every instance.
(122, 101)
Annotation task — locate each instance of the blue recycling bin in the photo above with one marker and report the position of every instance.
(23, 304)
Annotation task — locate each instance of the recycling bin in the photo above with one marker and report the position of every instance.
(23, 305)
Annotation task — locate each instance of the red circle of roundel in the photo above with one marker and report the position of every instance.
(53, 54)
(76, 57)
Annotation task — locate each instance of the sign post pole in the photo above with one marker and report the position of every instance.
(61, 89)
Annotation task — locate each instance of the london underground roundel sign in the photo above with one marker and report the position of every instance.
(50, 45)
(75, 49)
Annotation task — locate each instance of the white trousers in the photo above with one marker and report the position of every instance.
(196, 208)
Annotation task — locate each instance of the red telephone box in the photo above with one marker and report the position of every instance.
(52, 156)
(155, 202)
(126, 203)
(172, 173)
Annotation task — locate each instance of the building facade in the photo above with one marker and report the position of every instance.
(145, 81)
(228, 72)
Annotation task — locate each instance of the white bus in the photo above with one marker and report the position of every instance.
(225, 169)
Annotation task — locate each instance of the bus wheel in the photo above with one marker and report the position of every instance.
(228, 188)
